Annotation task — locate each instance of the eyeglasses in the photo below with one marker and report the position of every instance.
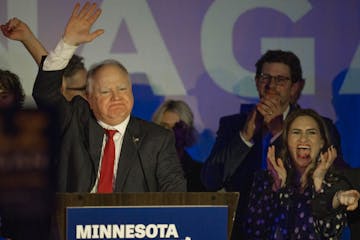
(264, 78)
(76, 88)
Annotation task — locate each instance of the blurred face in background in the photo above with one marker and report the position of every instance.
(74, 85)
(169, 119)
(7, 99)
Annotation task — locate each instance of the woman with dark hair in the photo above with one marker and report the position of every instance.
(11, 92)
(280, 199)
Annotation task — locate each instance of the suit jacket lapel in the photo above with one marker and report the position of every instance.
(128, 153)
(95, 135)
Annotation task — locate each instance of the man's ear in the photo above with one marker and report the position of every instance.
(89, 99)
(296, 90)
(256, 78)
(63, 86)
(86, 96)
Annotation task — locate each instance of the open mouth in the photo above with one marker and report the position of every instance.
(303, 151)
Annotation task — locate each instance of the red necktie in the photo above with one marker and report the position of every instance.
(107, 164)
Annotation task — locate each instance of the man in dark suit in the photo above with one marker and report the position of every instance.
(242, 139)
(143, 155)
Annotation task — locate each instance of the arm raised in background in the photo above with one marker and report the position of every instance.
(18, 30)
(47, 85)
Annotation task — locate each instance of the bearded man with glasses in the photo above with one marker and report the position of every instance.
(242, 139)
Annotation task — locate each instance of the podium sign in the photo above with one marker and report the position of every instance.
(148, 222)
(65, 202)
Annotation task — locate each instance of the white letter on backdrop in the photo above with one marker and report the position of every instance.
(151, 57)
(216, 41)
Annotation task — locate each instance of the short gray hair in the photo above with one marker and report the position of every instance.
(96, 67)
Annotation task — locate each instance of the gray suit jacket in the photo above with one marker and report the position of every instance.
(148, 159)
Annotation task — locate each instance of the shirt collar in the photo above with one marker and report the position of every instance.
(286, 112)
(120, 127)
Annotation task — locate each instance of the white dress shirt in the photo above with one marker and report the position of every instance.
(118, 141)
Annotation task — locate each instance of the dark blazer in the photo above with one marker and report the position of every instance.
(232, 164)
(148, 159)
(192, 170)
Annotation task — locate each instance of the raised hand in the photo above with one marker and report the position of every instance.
(326, 159)
(348, 198)
(276, 169)
(77, 30)
(16, 29)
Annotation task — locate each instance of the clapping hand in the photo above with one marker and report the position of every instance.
(253, 124)
(271, 110)
(276, 169)
(325, 161)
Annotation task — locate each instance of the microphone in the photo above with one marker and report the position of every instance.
(136, 141)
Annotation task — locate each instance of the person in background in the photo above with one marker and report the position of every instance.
(342, 194)
(74, 78)
(20, 141)
(177, 115)
(280, 198)
(12, 95)
(242, 139)
(103, 148)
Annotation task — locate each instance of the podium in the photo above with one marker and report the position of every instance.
(65, 200)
